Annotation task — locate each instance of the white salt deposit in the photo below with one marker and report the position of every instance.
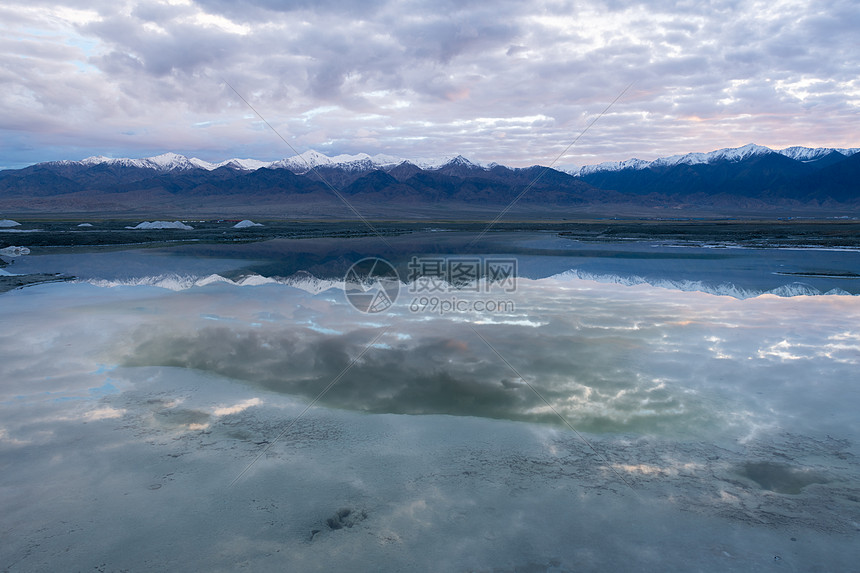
(14, 251)
(246, 223)
(162, 225)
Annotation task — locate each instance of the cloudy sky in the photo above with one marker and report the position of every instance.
(501, 81)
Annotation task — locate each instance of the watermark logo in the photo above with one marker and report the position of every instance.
(437, 284)
(461, 284)
(371, 285)
(429, 275)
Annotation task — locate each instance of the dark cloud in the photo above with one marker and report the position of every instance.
(589, 375)
(176, 48)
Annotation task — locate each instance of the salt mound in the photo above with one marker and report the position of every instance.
(14, 251)
(246, 223)
(162, 225)
(9, 223)
(85, 225)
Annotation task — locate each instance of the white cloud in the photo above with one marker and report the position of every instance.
(104, 413)
(238, 407)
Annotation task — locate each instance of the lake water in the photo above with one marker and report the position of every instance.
(634, 405)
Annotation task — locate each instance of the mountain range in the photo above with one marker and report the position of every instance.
(747, 180)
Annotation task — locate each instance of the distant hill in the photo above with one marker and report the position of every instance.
(749, 179)
(775, 178)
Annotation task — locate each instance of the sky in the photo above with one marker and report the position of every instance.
(508, 82)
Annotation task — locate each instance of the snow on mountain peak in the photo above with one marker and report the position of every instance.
(303, 162)
(312, 159)
(731, 154)
(807, 154)
(443, 161)
(804, 153)
(171, 161)
(164, 162)
(360, 162)
(460, 160)
(613, 166)
(94, 160)
(168, 158)
(242, 164)
(726, 154)
(103, 160)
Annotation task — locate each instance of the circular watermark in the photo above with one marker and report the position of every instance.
(371, 285)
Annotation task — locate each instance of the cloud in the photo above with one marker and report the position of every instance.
(414, 78)
(616, 359)
(608, 358)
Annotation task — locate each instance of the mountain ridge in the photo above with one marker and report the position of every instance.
(312, 159)
(742, 180)
(797, 153)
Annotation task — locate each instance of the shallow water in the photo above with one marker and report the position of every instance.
(732, 270)
(589, 426)
(780, 478)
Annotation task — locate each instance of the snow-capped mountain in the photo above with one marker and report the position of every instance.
(167, 162)
(807, 154)
(460, 161)
(732, 180)
(732, 154)
(240, 164)
(163, 162)
(298, 164)
(361, 162)
(446, 160)
(632, 163)
(313, 159)
(729, 154)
